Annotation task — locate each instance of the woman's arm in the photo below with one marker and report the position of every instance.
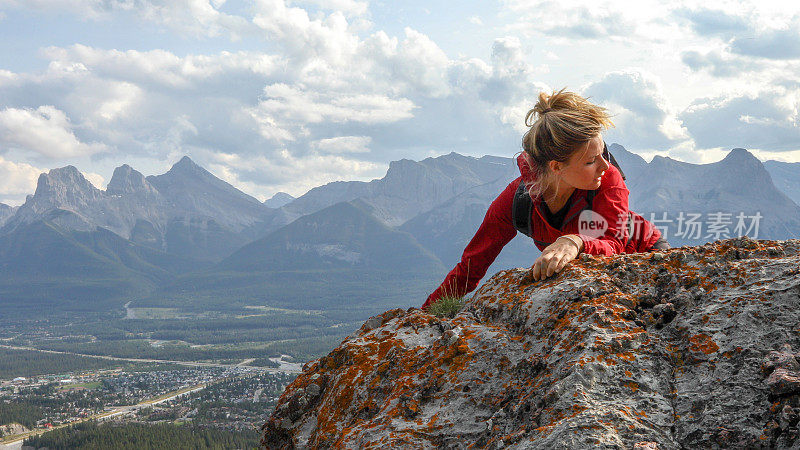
(493, 234)
(612, 205)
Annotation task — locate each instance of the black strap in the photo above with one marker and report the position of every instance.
(521, 210)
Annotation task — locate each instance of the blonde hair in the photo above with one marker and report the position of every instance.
(565, 121)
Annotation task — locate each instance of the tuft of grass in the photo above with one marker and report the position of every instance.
(447, 306)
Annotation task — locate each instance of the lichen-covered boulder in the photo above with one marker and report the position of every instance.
(692, 347)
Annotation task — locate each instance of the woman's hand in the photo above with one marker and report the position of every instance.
(556, 256)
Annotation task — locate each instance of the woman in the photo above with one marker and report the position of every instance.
(578, 202)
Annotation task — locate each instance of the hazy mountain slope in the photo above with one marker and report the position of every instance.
(63, 189)
(786, 177)
(737, 184)
(46, 267)
(342, 235)
(409, 187)
(191, 190)
(341, 254)
(5, 212)
(207, 218)
(632, 165)
(339, 257)
(447, 229)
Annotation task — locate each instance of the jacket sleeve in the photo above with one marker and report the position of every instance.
(493, 234)
(610, 203)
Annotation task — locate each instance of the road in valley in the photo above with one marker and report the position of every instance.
(294, 368)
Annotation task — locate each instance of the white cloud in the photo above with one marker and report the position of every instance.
(718, 63)
(349, 7)
(7, 78)
(422, 64)
(104, 101)
(326, 86)
(786, 156)
(286, 172)
(774, 43)
(507, 88)
(343, 144)
(159, 66)
(768, 120)
(96, 179)
(191, 17)
(722, 22)
(286, 110)
(45, 131)
(574, 19)
(17, 180)
(758, 30)
(641, 113)
(303, 38)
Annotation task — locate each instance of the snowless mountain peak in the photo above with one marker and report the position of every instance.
(127, 180)
(278, 200)
(740, 156)
(67, 178)
(186, 165)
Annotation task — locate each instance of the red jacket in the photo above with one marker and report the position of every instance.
(610, 202)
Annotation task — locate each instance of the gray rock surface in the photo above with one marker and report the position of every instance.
(5, 212)
(688, 348)
(62, 189)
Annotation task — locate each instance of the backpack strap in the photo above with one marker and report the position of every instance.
(521, 210)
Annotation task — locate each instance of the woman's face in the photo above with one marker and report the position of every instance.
(585, 168)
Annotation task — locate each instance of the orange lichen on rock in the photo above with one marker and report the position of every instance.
(614, 351)
(703, 343)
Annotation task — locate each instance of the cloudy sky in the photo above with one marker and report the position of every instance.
(279, 95)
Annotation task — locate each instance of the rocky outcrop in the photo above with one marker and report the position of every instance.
(5, 212)
(127, 180)
(63, 196)
(692, 347)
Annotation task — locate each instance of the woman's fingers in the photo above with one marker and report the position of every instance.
(554, 266)
(539, 269)
(536, 268)
(549, 263)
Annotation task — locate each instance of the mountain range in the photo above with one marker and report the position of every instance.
(188, 239)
